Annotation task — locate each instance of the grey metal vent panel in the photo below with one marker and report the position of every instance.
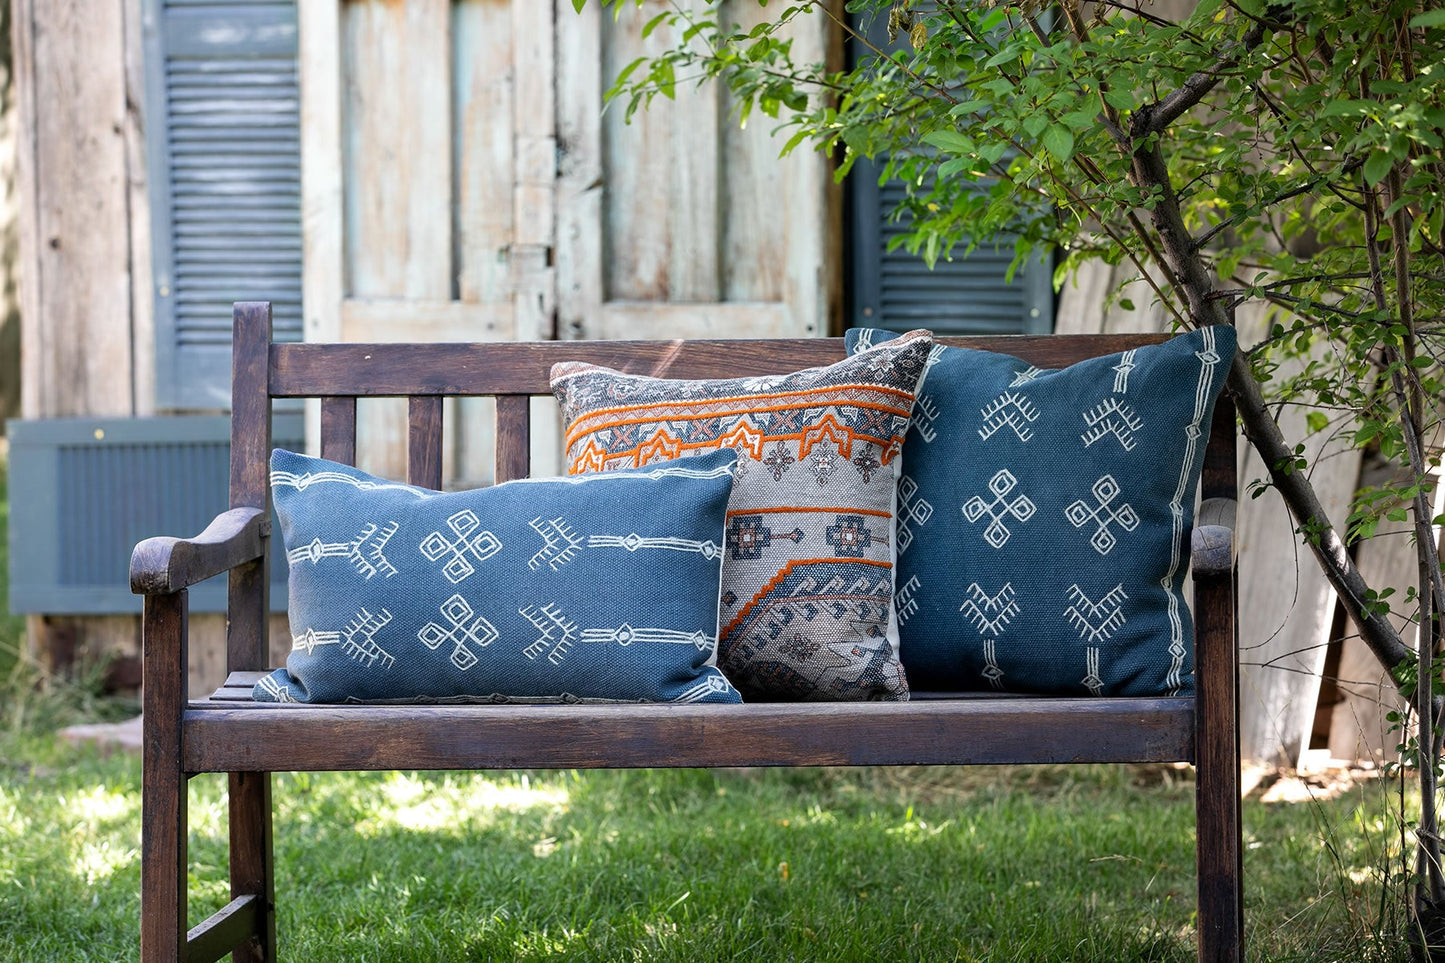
(83, 491)
(225, 165)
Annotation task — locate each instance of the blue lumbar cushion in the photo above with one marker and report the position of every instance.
(1044, 516)
(593, 588)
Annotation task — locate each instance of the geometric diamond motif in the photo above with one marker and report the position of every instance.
(1021, 508)
(1079, 514)
(456, 611)
(483, 546)
(1025, 376)
(1121, 372)
(991, 670)
(910, 509)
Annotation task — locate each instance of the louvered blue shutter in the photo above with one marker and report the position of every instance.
(968, 295)
(897, 290)
(224, 144)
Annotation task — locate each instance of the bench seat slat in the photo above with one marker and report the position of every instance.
(254, 737)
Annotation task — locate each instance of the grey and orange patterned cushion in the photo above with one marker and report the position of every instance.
(1044, 516)
(601, 588)
(808, 576)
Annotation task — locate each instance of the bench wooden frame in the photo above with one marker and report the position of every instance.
(228, 733)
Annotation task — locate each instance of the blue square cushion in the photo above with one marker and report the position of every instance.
(1044, 516)
(595, 588)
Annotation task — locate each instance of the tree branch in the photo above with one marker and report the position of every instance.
(1154, 118)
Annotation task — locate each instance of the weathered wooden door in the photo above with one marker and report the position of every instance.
(462, 181)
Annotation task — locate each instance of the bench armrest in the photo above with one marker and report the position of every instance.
(1212, 541)
(162, 565)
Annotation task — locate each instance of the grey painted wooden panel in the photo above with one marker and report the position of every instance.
(225, 173)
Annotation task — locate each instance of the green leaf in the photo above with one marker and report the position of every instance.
(1126, 304)
(1347, 108)
(992, 152)
(1004, 56)
(950, 141)
(1430, 18)
(666, 80)
(1119, 99)
(1058, 141)
(1377, 166)
(578, 5)
(1317, 421)
(1034, 124)
(797, 138)
(654, 23)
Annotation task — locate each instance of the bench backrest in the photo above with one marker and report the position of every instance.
(512, 373)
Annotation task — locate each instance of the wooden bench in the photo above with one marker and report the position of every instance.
(228, 733)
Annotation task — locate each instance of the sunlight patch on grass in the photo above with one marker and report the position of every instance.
(409, 801)
(100, 803)
(98, 861)
(13, 821)
(208, 808)
(95, 811)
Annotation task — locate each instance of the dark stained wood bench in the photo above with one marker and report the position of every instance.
(226, 732)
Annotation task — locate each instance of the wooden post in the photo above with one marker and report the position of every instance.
(163, 791)
(1216, 741)
(248, 608)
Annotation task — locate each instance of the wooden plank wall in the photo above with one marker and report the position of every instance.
(84, 269)
(462, 182)
(1359, 728)
(80, 165)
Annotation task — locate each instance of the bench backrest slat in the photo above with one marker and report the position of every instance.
(501, 368)
(514, 437)
(424, 441)
(338, 428)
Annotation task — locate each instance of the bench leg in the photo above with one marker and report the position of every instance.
(251, 860)
(1218, 843)
(163, 786)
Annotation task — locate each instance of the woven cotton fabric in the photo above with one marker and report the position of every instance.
(808, 577)
(594, 589)
(1044, 517)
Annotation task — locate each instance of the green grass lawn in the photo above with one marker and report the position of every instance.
(1088, 863)
(1043, 864)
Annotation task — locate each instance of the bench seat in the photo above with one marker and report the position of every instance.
(230, 733)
